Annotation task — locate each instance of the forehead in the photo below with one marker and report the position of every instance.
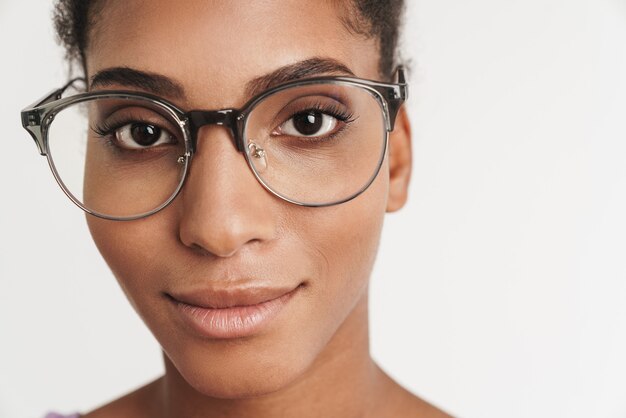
(215, 47)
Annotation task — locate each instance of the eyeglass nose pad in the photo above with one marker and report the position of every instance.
(259, 157)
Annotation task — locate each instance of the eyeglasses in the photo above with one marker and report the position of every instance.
(124, 155)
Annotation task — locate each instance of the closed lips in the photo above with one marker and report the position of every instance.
(233, 313)
(211, 298)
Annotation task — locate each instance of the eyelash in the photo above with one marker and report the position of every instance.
(332, 110)
(106, 131)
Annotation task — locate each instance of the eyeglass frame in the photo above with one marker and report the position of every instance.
(37, 118)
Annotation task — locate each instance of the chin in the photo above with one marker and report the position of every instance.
(239, 387)
(240, 370)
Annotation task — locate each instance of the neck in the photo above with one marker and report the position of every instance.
(342, 381)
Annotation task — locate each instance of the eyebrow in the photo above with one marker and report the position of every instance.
(129, 77)
(164, 86)
(302, 69)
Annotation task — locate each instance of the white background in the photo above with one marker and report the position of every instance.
(500, 290)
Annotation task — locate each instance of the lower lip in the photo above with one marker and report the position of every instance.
(235, 322)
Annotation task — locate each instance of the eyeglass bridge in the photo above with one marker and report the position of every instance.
(228, 118)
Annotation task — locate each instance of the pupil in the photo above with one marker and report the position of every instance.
(145, 135)
(308, 123)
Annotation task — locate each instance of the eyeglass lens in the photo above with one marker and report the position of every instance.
(321, 143)
(117, 157)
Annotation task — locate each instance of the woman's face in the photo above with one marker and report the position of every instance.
(225, 239)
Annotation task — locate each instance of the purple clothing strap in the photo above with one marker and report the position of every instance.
(55, 415)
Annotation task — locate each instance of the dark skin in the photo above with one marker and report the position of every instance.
(314, 360)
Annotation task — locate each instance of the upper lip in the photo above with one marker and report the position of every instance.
(228, 297)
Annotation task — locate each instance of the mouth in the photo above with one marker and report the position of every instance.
(231, 313)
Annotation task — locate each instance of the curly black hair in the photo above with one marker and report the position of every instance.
(379, 19)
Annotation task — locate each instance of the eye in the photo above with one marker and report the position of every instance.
(310, 123)
(142, 135)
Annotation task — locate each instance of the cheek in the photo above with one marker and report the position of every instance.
(344, 241)
(132, 251)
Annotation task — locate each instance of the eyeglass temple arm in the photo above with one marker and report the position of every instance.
(32, 115)
(398, 94)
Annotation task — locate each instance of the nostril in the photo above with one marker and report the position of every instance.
(222, 243)
(204, 252)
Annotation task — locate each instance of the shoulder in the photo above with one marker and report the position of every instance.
(413, 406)
(131, 405)
(400, 403)
(56, 415)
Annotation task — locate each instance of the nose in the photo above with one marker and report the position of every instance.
(224, 208)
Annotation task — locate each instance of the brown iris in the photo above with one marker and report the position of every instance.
(145, 135)
(308, 123)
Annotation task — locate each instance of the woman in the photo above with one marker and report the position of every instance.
(238, 164)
